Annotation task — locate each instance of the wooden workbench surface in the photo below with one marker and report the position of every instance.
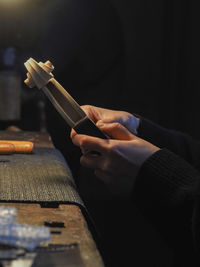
(75, 230)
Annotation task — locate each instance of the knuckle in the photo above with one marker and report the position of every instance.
(83, 141)
(106, 166)
(117, 125)
(83, 162)
(86, 108)
(112, 148)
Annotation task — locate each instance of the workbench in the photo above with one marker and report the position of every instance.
(72, 243)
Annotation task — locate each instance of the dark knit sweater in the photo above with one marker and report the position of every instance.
(167, 190)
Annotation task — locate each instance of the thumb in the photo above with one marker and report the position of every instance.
(116, 130)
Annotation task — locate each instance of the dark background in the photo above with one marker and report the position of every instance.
(140, 56)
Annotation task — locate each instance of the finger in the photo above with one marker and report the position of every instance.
(90, 161)
(89, 143)
(92, 112)
(72, 133)
(103, 176)
(116, 131)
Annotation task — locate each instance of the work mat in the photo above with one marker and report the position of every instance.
(40, 177)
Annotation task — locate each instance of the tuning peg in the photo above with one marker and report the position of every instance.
(38, 73)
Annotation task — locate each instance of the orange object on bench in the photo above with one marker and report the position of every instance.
(13, 146)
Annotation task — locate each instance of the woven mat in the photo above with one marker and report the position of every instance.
(43, 176)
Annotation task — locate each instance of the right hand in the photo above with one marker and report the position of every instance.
(118, 159)
(101, 115)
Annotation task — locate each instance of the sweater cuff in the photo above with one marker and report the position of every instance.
(149, 130)
(167, 179)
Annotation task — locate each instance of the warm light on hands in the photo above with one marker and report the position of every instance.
(118, 160)
(99, 115)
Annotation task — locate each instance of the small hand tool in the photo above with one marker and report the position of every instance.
(39, 75)
(14, 146)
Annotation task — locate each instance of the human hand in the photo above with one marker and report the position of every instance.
(118, 160)
(102, 115)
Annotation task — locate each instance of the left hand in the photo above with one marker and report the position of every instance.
(118, 160)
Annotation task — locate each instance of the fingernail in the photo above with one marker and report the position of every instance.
(100, 124)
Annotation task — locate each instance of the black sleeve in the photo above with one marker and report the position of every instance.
(179, 143)
(167, 191)
(167, 180)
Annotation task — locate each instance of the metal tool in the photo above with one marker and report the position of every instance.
(39, 75)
